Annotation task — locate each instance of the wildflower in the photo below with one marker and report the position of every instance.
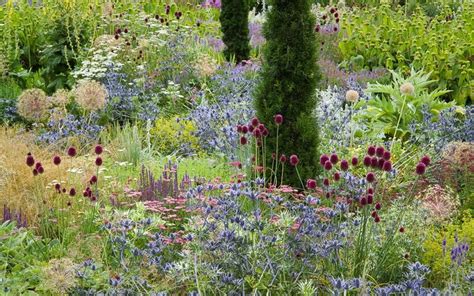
(57, 160)
(402, 230)
(387, 166)
(374, 162)
(294, 160)
(371, 150)
(344, 165)
(370, 199)
(370, 177)
(380, 163)
(239, 128)
(378, 206)
(363, 201)
(426, 160)
(328, 165)
(30, 161)
(255, 122)
(420, 168)
(243, 140)
(370, 191)
(257, 133)
(245, 129)
(93, 180)
(98, 161)
(334, 159)
(387, 155)
(278, 119)
(71, 151)
(377, 219)
(35, 172)
(323, 159)
(57, 186)
(90, 95)
(38, 165)
(379, 151)
(265, 132)
(407, 88)
(283, 158)
(352, 96)
(72, 192)
(367, 160)
(98, 150)
(40, 170)
(33, 104)
(311, 184)
(332, 10)
(355, 161)
(326, 182)
(337, 176)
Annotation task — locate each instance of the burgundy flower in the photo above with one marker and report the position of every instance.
(257, 133)
(332, 10)
(38, 164)
(40, 169)
(255, 122)
(72, 192)
(377, 219)
(363, 201)
(35, 172)
(420, 168)
(283, 158)
(371, 150)
(355, 161)
(426, 160)
(387, 166)
(239, 128)
(379, 151)
(370, 199)
(311, 184)
(57, 186)
(381, 162)
(265, 132)
(93, 179)
(98, 150)
(71, 151)
(245, 129)
(323, 159)
(337, 176)
(387, 155)
(56, 160)
(250, 127)
(326, 182)
(64, 190)
(378, 206)
(334, 159)
(30, 161)
(402, 229)
(367, 160)
(261, 127)
(374, 162)
(370, 191)
(374, 214)
(98, 161)
(294, 160)
(278, 119)
(370, 177)
(243, 140)
(344, 165)
(328, 166)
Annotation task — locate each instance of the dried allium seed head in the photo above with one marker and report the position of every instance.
(33, 104)
(90, 95)
(407, 88)
(352, 96)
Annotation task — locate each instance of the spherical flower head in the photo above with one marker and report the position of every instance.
(255, 122)
(426, 160)
(311, 184)
(90, 95)
(332, 10)
(363, 201)
(245, 129)
(326, 182)
(387, 155)
(30, 160)
(57, 160)
(38, 165)
(328, 165)
(378, 206)
(323, 159)
(377, 219)
(278, 119)
(344, 165)
(380, 163)
(352, 96)
(355, 161)
(337, 176)
(334, 158)
(407, 89)
(370, 199)
(294, 160)
(261, 127)
(371, 150)
(35, 172)
(72, 192)
(257, 133)
(387, 166)
(367, 160)
(40, 170)
(98, 150)
(60, 98)
(265, 132)
(370, 177)
(71, 151)
(374, 162)
(57, 186)
(239, 128)
(379, 151)
(33, 104)
(370, 191)
(250, 128)
(283, 158)
(373, 214)
(98, 161)
(93, 180)
(402, 229)
(243, 140)
(420, 168)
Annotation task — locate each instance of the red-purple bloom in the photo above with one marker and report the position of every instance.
(374, 214)
(420, 168)
(370, 177)
(334, 159)
(38, 164)
(402, 229)
(283, 158)
(363, 201)
(93, 179)
(56, 160)
(72, 192)
(328, 165)
(377, 219)
(35, 172)
(426, 160)
(311, 184)
(370, 191)
(326, 182)
(243, 140)
(367, 160)
(40, 169)
(71, 151)
(381, 162)
(98, 161)
(344, 165)
(323, 159)
(257, 133)
(278, 119)
(294, 160)
(239, 128)
(387, 166)
(265, 132)
(337, 176)
(370, 199)
(355, 161)
(261, 127)
(98, 150)
(387, 155)
(57, 186)
(245, 129)
(374, 162)
(255, 122)
(250, 127)
(378, 206)
(371, 150)
(379, 151)
(30, 161)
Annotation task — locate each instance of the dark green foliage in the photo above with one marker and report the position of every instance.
(234, 26)
(290, 76)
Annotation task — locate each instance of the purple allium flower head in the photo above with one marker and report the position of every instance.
(35, 172)
(387, 166)
(328, 165)
(334, 158)
(38, 164)
(245, 129)
(98, 161)
(370, 177)
(374, 162)
(98, 149)
(426, 160)
(344, 165)
(420, 168)
(243, 140)
(278, 119)
(72, 192)
(283, 158)
(363, 201)
(370, 199)
(57, 160)
(326, 182)
(311, 184)
(377, 219)
(367, 160)
(371, 150)
(378, 206)
(380, 163)
(387, 155)
(294, 160)
(93, 180)
(71, 151)
(379, 151)
(323, 159)
(337, 176)
(255, 122)
(40, 169)
(355, 161)
(30, 161)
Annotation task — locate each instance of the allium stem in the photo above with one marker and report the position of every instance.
(398, 122)
(299, 177)
(276, 158)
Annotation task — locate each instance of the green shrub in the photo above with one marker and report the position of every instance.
(290, 75)
(441, 45)
(173, 135)
(234, 24)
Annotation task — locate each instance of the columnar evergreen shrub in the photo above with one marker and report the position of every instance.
(290, 75)
(234, 25)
